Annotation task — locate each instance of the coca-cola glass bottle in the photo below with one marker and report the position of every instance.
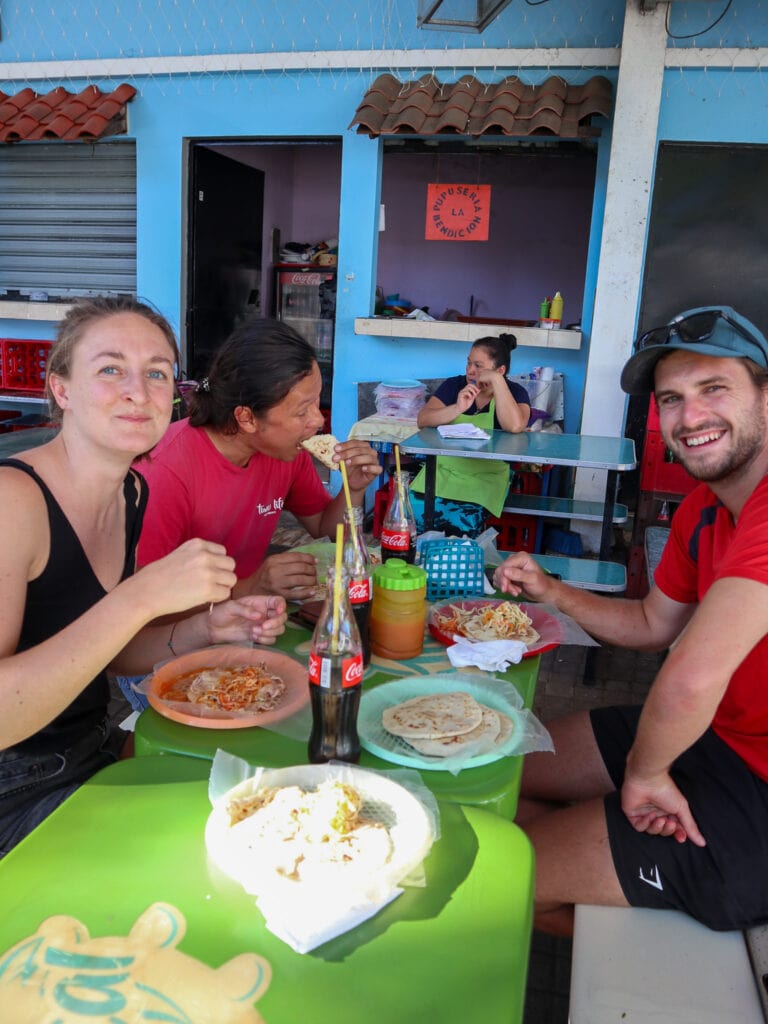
(335, 679)
(357, 565)
(398, 531)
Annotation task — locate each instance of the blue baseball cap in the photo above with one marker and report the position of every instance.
(709, 330)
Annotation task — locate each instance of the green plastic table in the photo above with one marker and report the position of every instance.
(454, 951)
(495, 786)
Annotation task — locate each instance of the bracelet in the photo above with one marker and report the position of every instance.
(170, 638)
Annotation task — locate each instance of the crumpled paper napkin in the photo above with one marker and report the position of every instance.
(462, 430)
(489, 655)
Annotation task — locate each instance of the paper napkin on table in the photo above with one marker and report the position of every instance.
(489, 655)
(314, 917)
(462, 430)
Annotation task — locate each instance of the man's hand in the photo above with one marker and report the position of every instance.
(657, 806)
(520, 576)
(361, 461)
(292, 574)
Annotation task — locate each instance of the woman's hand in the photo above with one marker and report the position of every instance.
(466, 397)
(259, 618)
(197, 572)
(491, 381)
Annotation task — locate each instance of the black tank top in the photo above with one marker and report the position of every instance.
(66, 588)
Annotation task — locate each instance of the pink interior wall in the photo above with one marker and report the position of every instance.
(302, 188)
(541, 208)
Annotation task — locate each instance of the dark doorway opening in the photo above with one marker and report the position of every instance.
(225, 218)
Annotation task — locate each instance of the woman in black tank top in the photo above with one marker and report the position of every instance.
(69, 523)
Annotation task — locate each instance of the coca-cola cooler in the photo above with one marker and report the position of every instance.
(305, 298)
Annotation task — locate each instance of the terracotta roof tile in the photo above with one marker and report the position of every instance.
(58, 114)
(426, 106)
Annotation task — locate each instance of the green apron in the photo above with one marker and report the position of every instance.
(456, 477)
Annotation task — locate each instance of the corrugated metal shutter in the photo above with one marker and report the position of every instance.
(68, 218)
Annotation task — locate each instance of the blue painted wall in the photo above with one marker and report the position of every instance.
(714, 105)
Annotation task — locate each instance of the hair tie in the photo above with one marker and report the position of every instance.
(204, 385)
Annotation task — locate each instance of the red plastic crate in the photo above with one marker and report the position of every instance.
(23, 364)
(658, 475)
(652, 423)
(516, 533)
(525, 482)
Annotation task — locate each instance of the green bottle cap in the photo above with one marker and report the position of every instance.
(396, 574)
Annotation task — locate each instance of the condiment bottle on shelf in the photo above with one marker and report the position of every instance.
(399, 610)
(335, 678)
(357, 563)
(544, 309)
(556, 308)
(398, 531)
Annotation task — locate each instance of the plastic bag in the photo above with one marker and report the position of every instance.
(399, 399)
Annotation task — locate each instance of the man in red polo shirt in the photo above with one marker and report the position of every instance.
(667, 805)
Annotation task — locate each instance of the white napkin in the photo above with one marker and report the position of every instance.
(489, 655)
(462, 430)
(306, 922)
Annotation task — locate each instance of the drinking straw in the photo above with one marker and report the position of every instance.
(399, 480)
(350, 509)
(337, 588)
(345, 481)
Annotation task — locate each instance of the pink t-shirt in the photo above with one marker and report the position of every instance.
(195, 492)
(704, 546)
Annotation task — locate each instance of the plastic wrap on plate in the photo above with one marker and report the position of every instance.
(527, 733)
(310, 898)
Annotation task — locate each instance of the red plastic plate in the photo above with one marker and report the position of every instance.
(547, 626)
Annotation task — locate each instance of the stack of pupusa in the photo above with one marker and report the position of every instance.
(448, 724)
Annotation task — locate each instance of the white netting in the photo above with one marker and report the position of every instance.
(72, 42)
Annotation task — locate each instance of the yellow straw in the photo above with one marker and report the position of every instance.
(350, 509)
(345, 481)
(337, 588)
(399, 480)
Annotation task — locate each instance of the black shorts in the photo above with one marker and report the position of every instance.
(724, 884)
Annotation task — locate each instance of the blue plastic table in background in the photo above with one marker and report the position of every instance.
(614, 454)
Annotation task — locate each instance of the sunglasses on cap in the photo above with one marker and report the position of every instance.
(697, 327)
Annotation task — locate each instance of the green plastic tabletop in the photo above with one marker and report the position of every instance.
(495, 786)
(454, 951)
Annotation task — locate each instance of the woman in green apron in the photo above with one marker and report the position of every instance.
(484, 397)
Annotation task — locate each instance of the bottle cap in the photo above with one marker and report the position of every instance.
(396, 574)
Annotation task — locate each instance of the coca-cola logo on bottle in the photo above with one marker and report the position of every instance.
(359, 591)
(400, 541)
(315, 664)
(352, 671)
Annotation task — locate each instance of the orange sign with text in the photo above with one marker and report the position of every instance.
(458, 213)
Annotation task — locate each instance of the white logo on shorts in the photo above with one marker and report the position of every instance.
(654, 880)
